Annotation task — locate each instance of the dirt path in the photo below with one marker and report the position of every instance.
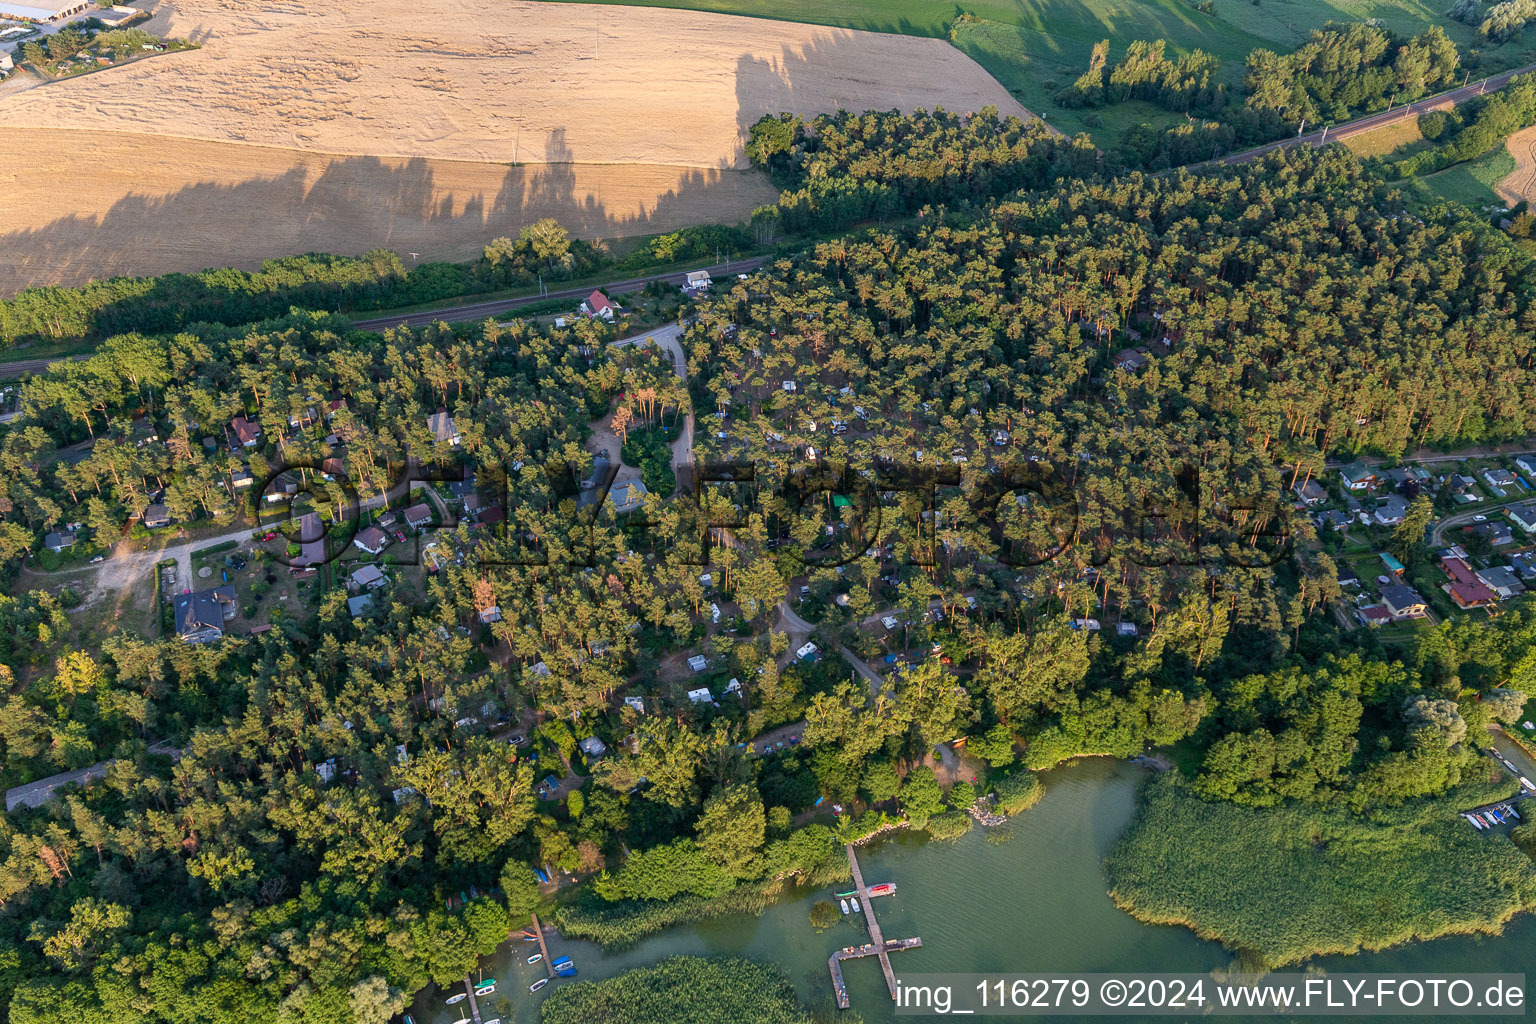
(1521, 182)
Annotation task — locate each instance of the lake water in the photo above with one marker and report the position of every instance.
(1036, 902)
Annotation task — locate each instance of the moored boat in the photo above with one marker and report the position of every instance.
(854, 903)
(485, 988)
(459, 998)
(883, 889)
(536, 958)
(538, 984)
(560, 961)
(568, 971)
(844, 905)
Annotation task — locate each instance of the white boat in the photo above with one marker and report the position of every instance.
(1511, 810)
(538, 984)
(457, 999)
(854, 903)
(1474, 821)
(536, 958)
(841, 903)
(487, 989)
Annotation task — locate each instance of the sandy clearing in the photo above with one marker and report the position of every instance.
(131, 204)
(503, 82)
(1520, 184)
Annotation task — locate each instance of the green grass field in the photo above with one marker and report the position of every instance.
(1036, 47)
(1471, 183)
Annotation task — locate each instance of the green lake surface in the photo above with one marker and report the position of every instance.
(1034, 903)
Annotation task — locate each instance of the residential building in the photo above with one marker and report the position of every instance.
(371, 539)
(1499, 477)
(1523, 515)
(1348, 577)
(1332, 519)
(597, 306)
(1358, 476)
(200, 616)
(489, 615)
(1131, 359)
(367, 577)
(698, 663)
(593, 747)
(1403, 602)
(311, 541)
(440, 426)
(1374, 615)
(57, 542)
(1465, 588)
(1392, 511)
(360, 605)
(1309, 492)
(156, 516)
(247, 434)
(627, 496)
(701, 695)
(418, 516)
(1527, 465)
(241, 478)
(696, 282)
(1498, 534)
(1502, 580)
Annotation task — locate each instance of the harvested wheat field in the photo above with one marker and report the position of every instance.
(1520, 184)
(187, 205)
(349, 124)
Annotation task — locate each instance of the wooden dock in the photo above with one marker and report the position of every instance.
(548, 967)
(879, 946)
(474, 1005)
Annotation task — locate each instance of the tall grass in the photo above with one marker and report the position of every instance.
(1283, 884)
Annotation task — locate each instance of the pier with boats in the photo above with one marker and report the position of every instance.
(861, 899)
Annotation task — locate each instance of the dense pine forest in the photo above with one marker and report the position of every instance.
(1086, 399)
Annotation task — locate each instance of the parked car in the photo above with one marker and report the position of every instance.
(98, 558)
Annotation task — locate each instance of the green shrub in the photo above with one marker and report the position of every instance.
(949, 825)
(1018, 791)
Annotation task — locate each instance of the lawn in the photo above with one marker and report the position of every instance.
(1471, 183)
(1395, 138)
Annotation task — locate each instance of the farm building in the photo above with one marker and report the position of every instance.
(51, 12)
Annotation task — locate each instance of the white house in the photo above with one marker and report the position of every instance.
(701, 695)
(598, 307)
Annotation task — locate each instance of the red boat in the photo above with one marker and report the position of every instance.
(883, 889)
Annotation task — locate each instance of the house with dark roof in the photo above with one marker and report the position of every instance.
(1502, 580)
(1392, 510)
(418, 516)
(57, 541)
(1332, 519)
(1403, 602)
(1131, 359)
(156, 516)
(1498, 534)
(367, 577)
(371, 539)
(1348, 577)
(1527, 465)
(1357, 476)
(627, 496)
(1523, 515)
(200, 616)
(440, 426)
(359, 605)
(1309, 492)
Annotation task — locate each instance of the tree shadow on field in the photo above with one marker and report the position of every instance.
(822, 76)
(348, 205)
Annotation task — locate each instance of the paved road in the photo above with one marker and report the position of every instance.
(668, 339)
(1437, 534)
(1441, 101)
(483, 310)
